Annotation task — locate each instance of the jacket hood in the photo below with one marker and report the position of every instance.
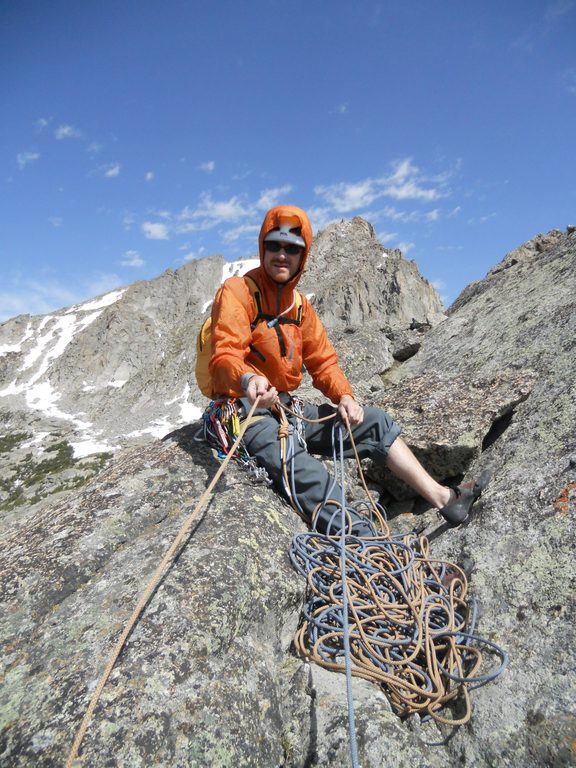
(273, 219)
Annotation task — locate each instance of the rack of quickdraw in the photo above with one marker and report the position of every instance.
(221, 422)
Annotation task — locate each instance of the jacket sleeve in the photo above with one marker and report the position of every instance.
(231, 336)
(320, 358)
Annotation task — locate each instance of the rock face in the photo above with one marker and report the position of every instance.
(379, 288)
(208, 676)
(375, 304)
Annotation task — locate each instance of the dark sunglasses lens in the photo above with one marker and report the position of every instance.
(290, 248)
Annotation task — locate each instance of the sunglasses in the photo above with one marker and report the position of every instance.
(290, 248)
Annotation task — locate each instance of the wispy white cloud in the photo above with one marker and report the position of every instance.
(241, 231)
(207, 167)
(56, 221)
(559, 8)
(94, 148)
(408, 183)
(40, 296)
(219, 210)
(112, 170)
(25, 158)
(43, 122)
(482, 219)
(154, 230)
(321, 216)
(128, 219)
(132, 259)
(449, 248)
(387, 237)
(405, 182)
(271, 197)
(569, 80)
(406, 217)
(405, 246)
(149, 176)
(392, 213)
(67, 132)
(347, 196)
(529, 38)
(238, 218)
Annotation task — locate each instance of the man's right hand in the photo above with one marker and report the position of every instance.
(259, 385)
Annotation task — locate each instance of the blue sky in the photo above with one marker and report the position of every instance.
(137, 135)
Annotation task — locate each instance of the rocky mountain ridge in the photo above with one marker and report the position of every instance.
(208, 677)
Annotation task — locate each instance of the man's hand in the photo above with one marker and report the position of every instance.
(351, 411)
(259, 385)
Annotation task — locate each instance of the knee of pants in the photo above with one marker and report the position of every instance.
(376, 434)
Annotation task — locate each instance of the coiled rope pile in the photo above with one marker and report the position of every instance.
(407, 618)
(401, 616)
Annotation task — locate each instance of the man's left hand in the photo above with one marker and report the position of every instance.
(351, 411)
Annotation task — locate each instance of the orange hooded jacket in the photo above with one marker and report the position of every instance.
(277, 352)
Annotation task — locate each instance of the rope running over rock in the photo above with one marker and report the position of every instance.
(149, 590)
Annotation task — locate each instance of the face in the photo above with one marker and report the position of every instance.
(281, 266)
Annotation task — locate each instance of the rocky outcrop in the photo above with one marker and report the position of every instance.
(208, 677)
(356, 281)
(375, 304)
(526, 252)
(449, 421)
(520, 321)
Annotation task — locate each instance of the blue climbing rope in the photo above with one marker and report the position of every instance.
(336, 428)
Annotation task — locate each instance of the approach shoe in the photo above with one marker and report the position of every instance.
(462, 497)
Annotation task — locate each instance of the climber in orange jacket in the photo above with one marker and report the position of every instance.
(265, 358)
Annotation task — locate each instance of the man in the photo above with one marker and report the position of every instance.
(265, 358)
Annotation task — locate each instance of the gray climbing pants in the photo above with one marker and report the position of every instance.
(311, 480)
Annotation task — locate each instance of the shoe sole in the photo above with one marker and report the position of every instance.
(482, 482)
